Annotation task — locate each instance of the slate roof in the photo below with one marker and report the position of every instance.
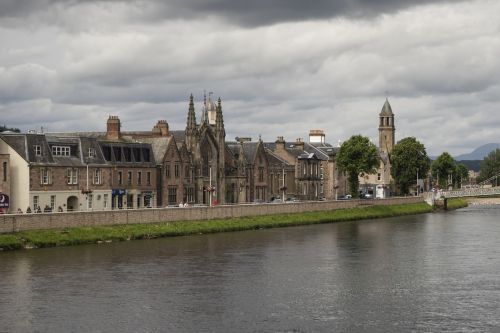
(180, 136)
(158, 145)
(386, 109)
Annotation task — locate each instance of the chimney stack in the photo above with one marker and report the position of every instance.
(299, 143)
(161, 128)
(113, 128)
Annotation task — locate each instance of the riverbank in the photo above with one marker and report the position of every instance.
(98, 234)
(488, 201)
(456, 203)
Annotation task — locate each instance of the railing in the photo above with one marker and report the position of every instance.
(471, 192)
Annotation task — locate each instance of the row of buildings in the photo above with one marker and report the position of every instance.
(121, 169)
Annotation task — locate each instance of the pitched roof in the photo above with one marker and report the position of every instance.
(386, 109)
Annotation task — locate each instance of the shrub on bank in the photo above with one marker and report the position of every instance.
(88, 235)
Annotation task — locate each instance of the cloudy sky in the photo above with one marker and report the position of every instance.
(281, 67)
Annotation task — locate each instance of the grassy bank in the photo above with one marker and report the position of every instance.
(456, 203)
(89, 235)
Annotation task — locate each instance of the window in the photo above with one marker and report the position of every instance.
(52, 202)
(120, 178)
(105, 201)
(129, 178)
(36, 203)
(172, 195)
(148, 178)
(91, 199)
(261, 174)
(45, 177)
(321, 188)
(91, 153)
(60, 150)
(4, 171)
(97, 176)
(190, 194)
(186, 171)
(167, 171)
(321, 174)
(177, 171)
(379, 176)
(72, 176)
(38, 150)
(304, 168)
(139, 178)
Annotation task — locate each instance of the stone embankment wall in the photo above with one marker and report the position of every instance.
(13, 223)
(483, 201)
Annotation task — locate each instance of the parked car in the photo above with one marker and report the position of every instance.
(291, 199)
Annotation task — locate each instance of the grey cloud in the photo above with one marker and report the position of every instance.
(265, 12)
(242, 13)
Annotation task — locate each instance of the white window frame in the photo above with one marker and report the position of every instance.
(97, 176)
(61, 150)
(38, 150)
(72, 176)
(105, 201)
(53, 202)
(91, 153)
(36, 203)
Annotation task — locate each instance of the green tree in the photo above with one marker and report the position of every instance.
(408, 158)
(357, 156)
(490, 166)
(461, 174)
(443, 169)
(12, 129)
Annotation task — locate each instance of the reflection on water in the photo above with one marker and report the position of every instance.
(428, 273)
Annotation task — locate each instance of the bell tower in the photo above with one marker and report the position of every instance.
(386, 129)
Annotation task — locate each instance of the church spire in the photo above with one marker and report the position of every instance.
(219, 120)
(191, 120)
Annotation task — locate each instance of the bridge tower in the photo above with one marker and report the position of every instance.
(386, 129)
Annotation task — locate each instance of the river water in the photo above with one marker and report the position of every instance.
(428, 273)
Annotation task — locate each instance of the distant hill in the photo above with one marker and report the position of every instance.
(471, 164)
(479, 153)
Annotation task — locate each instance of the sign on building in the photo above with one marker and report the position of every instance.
(4, 200)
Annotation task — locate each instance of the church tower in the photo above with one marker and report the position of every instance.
(386, 129)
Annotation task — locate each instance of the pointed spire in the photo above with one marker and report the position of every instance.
(191, 120)
(219, 120)
(386, 109)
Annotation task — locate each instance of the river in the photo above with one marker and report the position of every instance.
(428, 273)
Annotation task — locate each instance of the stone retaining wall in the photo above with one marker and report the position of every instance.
(13, 223)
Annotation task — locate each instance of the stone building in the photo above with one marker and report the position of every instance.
(4, 183)
(380, 184)
(119, 169)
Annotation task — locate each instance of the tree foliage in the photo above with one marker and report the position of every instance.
(461, 175)
(490, 165)
(357, 156)
(407, 157)
(443, 169)
(4, 128)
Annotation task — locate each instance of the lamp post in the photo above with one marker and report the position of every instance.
(210, 183)
(87, 186)
(417, 182)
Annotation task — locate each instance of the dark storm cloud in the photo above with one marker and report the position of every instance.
(267, 12)
(244, 13)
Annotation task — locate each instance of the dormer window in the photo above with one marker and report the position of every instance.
(91, 153)
(38, 150)
(60, 151)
